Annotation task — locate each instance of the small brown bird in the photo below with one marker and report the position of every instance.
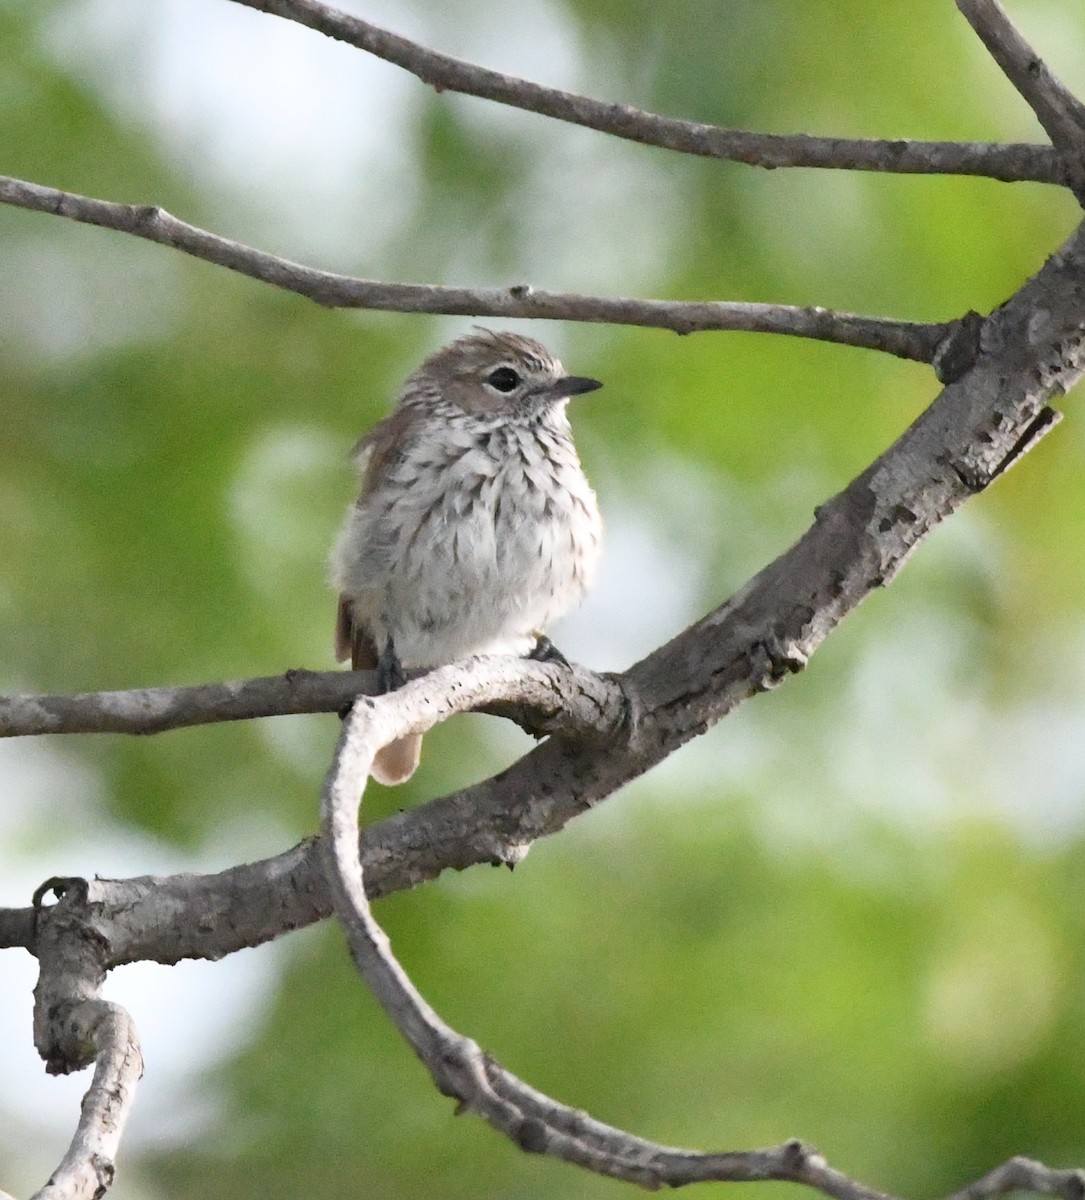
(475, 526)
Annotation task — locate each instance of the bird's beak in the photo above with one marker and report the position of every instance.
(573, 385)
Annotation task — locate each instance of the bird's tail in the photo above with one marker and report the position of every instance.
(397, 762)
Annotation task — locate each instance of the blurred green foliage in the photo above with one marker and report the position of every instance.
(853, 912)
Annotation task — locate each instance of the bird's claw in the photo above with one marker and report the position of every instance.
(545, 651)
(390, 674)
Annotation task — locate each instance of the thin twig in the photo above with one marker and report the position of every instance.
(1057, 109)
(572, 697)
(1025, 1175)
(158, 709)
(461, 1069)
(1009, 163)
(905, 339)
(533, 1121)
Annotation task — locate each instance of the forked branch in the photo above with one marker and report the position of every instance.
(462, 1070)
(859, 539)
(972, 431)
(1057, 109)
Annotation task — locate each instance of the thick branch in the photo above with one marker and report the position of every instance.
(1057, 109)
(1009, 163)
(1030, 352)
(16, 929)
(976, 427)
(905, 339)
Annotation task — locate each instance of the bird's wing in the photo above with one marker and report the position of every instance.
(377, 451)
(353, 641)
(375, 454)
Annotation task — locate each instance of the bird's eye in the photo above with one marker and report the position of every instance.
(504, 379)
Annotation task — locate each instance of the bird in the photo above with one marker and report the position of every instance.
(475, 526)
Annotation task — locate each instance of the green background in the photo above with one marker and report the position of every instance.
(853, 912)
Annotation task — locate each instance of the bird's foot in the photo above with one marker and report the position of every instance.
(390, 673)
(545, 651)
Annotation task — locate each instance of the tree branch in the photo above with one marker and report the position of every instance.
(1025, 1175)
(978, 426)
(533, 1121)
(1057, 109)
(905, 339)
(974, 429)
(1009, 163)
(530, 1119)
(86, 1170)
(73, 1027)
(17, 930)
(1002, 374)
(562, 700)
(158, 709)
